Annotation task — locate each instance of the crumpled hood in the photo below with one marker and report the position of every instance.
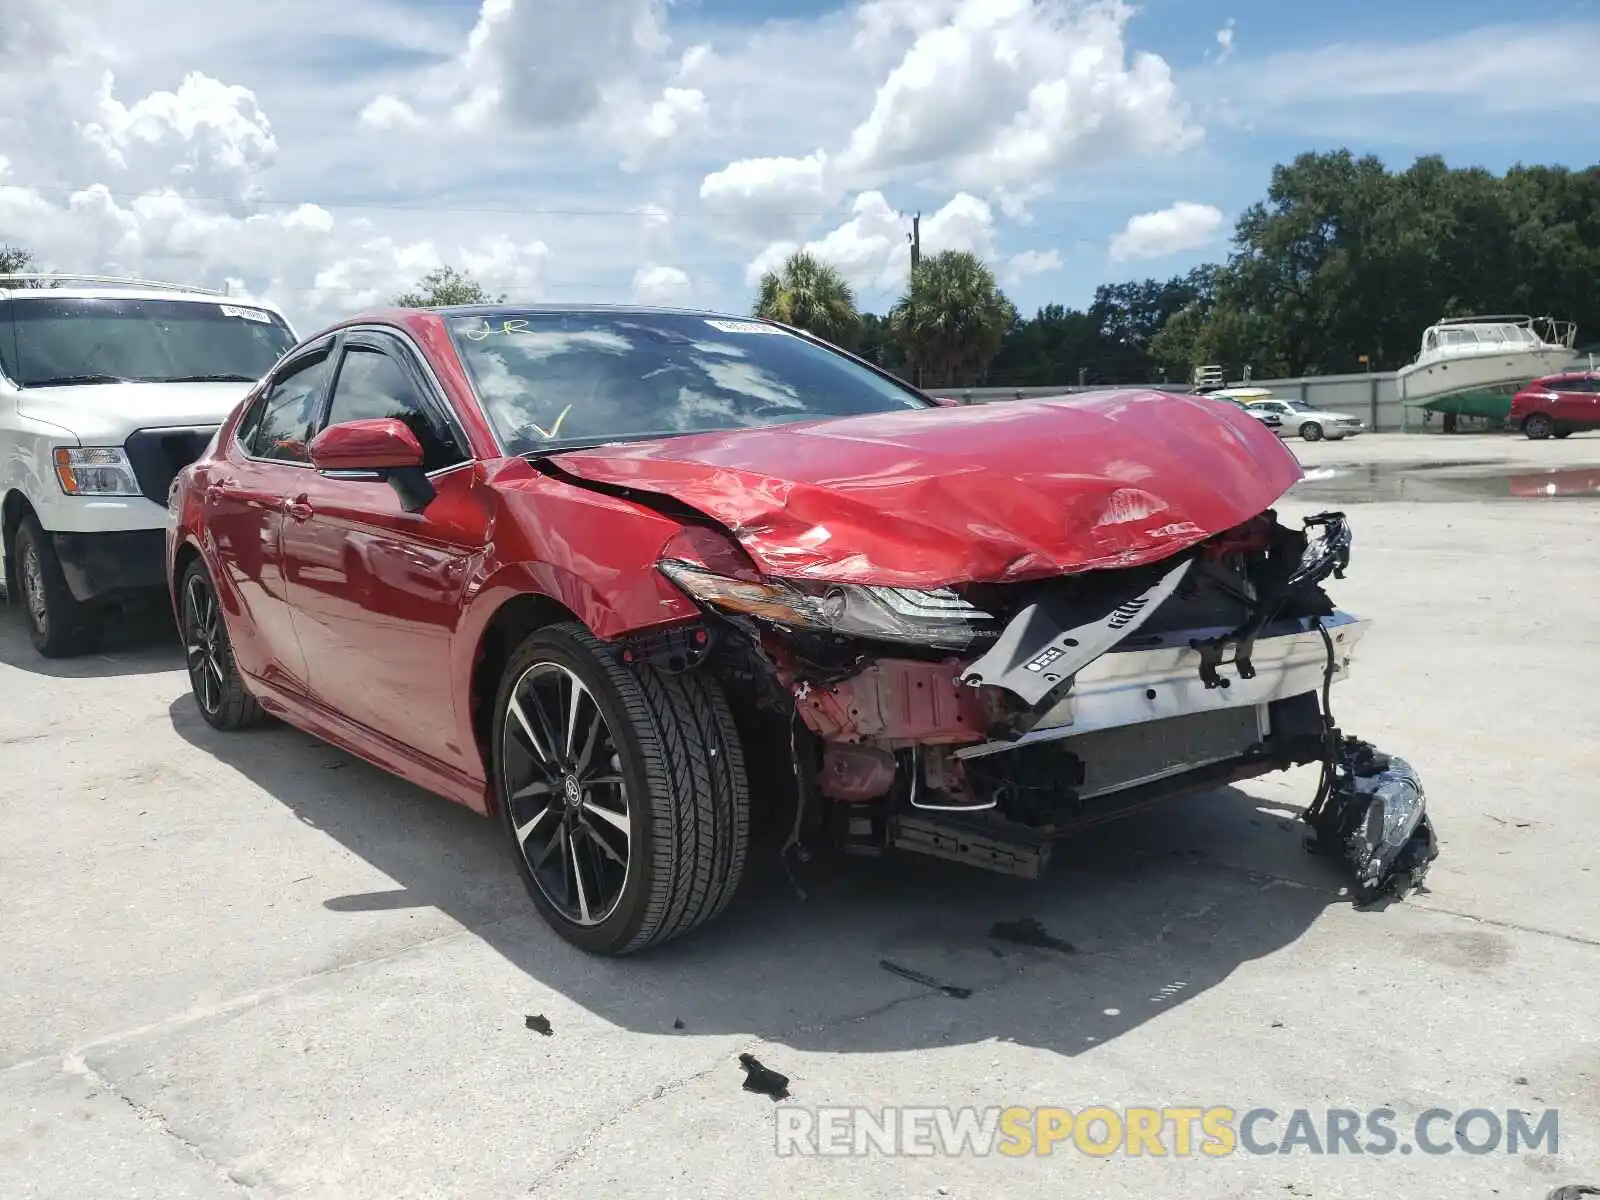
(989, 493)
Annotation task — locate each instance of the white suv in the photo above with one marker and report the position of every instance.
(108, 388)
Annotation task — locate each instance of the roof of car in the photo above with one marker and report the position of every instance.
(92, 288)
(392, 313)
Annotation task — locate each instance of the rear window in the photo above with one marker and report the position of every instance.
(63, 340)
(560, 380)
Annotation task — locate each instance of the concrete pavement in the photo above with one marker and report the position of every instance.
(248, 965)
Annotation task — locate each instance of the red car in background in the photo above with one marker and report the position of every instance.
(634, 579)
(1558, 405)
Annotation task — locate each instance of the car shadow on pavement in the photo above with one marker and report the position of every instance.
(135, 643)
(1136, 917)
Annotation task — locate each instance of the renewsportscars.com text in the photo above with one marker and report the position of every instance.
(1161, 1132)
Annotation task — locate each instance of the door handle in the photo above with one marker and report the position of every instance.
(299, 509)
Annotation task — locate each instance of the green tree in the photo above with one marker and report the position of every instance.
(876, 344)
(952, 320)
(810, 294)
(444, 287)
(15, 260)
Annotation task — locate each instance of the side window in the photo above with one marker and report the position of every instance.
(280, 426)
(372, 385)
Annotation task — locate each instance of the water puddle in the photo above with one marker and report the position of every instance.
(1443, 483)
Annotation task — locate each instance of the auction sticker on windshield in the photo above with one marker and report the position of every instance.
(745, 327)
(249, 314)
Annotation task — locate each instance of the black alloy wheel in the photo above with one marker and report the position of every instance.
(214, 678)
(623, 792)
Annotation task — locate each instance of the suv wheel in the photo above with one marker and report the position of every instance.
(59, 625)
(622, 791)
(1539, 426)
(1311, 432)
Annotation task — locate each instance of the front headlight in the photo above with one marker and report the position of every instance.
(95, 471)
(937, 618)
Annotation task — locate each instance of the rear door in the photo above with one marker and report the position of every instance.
(244, 501)
(1585, 403)
(1570, 406)
(377, 591)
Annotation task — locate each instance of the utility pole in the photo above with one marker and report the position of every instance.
(915, 238)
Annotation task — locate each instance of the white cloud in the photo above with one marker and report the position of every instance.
(678, 112)
(1184, 226)
(1014, 202)
(661, 285)
(1225, 39)
(1033, 262)
(390, 112)
(1489, 66)
(871, 249)
(1011, 91)
(766, 197)
(554, 63)
(210, 132)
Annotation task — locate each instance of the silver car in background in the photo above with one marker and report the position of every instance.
(1286, 417)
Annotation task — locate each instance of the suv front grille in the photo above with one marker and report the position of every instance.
(157, 455)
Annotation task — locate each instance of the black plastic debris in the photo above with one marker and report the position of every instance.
(758, 1078)
(949, 989)
(1572, 1191)
(539, 1024)
(1028, 932)
(1372, 812)
(677, 1022)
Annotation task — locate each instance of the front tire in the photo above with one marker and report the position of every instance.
(1311, 432)
(59, 624)
(1538, 427)
(214, 676)
(622, 790)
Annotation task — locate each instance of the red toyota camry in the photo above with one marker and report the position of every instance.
(626, 578)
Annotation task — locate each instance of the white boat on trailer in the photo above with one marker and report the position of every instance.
(1473, 366)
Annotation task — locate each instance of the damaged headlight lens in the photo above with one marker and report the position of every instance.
(925, 618)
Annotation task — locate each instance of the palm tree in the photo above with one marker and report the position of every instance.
(952, 319)
(810, 294)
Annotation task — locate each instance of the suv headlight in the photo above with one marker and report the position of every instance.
(95, 471)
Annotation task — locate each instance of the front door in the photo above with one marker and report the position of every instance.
(376, 591)
(244, 501)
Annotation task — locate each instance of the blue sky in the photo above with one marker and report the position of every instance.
(601, 149)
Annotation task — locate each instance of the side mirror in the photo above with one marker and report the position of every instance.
(381, 449)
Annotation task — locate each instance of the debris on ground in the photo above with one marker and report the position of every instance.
(539, 1024)
(1028, 932)
(677, 1022)
(949, 989)
(758, 1078)
(1572, 1191)
(1372, 812)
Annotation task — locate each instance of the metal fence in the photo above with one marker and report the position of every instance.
(1375, 398)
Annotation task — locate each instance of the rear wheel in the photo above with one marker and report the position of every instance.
(59, 624)
(623, 792)
(1311, 431)
(1539, 426)
(214, 677)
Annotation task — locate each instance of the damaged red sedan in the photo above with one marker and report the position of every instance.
(632, 580)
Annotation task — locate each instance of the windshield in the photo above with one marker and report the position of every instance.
(551, 381)
(55, 341)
